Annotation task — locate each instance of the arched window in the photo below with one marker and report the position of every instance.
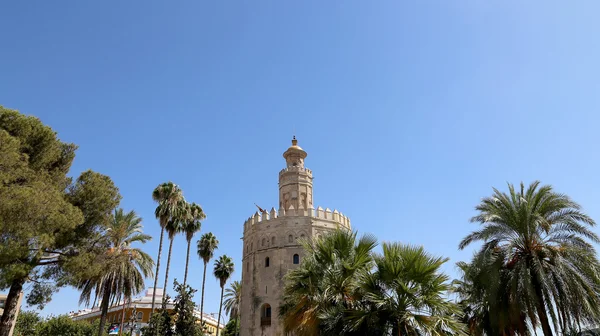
(273, 240)
(140, 315)
(302, 235)
(290, 239)
(265, 315)
(267, 262)
(263, 242)
(296, 259)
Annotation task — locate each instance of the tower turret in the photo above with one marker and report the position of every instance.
(295, 181)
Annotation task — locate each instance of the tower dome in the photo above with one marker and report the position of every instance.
(294, 156)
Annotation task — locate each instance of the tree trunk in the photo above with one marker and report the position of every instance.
(220, 307)
(541, 307)
(167, 272)
(542, 313)
(10, 307)
(187, 262)
(104, 309)
(162, 233)
(202, 299)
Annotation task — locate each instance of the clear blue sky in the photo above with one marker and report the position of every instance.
(410, 111)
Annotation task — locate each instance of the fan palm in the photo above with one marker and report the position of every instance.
(542, 239)
(167, 195)
(124, 267)
(222, 271)
(405, 295)
(179, 216)
(207, 245)
(325, 284)
(233, 296)
(190, 227)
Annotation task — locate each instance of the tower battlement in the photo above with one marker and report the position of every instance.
(318, 213)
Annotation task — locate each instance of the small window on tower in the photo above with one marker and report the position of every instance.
(267, 262)
(296, 259)
(290, 239)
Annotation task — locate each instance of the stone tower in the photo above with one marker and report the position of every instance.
(271, 245)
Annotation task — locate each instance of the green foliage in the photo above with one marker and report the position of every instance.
(207, 244)
(161, 322)
(537, 265)
(123, 267)
(167, 195)
(233, 297)
(31, 324)
(232, 328)
(49, 224)
(223, 269)
(343, 288)
(185, 322)
(27, 323)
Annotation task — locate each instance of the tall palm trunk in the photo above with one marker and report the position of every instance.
(10, 306)
(187, 262)
(540, 305)
(104, 309)
(542, 313)
(167, 272)
(202, 299)
(162, 233)
(220, 308)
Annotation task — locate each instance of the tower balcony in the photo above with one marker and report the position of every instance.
(295, 170)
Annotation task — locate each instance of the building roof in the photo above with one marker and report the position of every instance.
(140, 302)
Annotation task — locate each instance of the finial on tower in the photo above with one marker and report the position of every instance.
(294, 141)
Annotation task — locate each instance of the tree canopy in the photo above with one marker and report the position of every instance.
(49, 224)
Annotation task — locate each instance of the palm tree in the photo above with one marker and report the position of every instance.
(325, 284)
(167, 195)
(405, 294)
(190, 226)
(542, 240)
(488, 303)
(179, 216)
(233, 296)
(124, 268)
(222, 271)
(207, 245)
